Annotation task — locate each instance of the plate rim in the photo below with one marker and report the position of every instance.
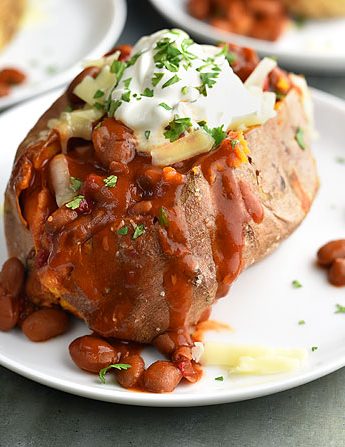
(205, 31)
(217, 396)
(119, 18)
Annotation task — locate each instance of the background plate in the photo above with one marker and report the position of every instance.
(263, 308)
(55, 36)
(317, 46)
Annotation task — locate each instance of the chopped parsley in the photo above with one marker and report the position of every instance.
(133, 59)
(113, 106)
(75, 203)
(314, 348)
(207, 80)
(165, 106)
(219, 378)
(139, 231)
(156, 78)
(118, 67)
(296, 284)
(171, 81)
(229, 55)
(126, 96)
(148, 92)
(147, 134)
(74, 184)
(217, 133)
(184, 90)
(123, 231)
(110, 182)
(167, 55)
(163, 217)
(176, 128)
(98, 106)
(118, 366)
(126, 82)
(234, 143)
(300, 138)
(98, 94)
(339, 309)
(301, 322)
(340, 160)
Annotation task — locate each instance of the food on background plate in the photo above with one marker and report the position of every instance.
(317, 9)
(10, 77)
(141, 194)
(11, 14)
(262, 19)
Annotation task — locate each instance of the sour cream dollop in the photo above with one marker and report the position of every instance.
(170, 77)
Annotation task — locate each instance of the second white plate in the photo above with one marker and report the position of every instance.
(262, 307)
(317, 46)
(55, 36)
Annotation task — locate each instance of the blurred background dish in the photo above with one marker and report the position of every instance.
(299, 42)
(43, 41)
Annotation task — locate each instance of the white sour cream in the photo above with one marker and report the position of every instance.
(198, 84)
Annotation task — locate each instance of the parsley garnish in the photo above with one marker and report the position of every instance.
(234, 143)
(217, 133)
(98, 94)
(314, 348)
(147, 134)
(229, 55)
(148, 92)
(220, 378)
(74, 184)
(168, 55)
(126, 82)
(139, 230)
(75, 203)
(118, 366)
(110, 182)
(296, 284)
(300, 138)
(114, 105)
(340, 160)
(118, 67)
(207, 80)
(122, 231)
(165, 106)
(133, 59)
(171, 81)
(184, 90)
(176, 128)
(98, 106)
(340, 309)
(163, 217)
(126, 96)
(301, 322)
(156, 78)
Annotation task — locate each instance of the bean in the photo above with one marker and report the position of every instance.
(331, 251)
(11, 76)
(92, 353)
(45, 324)
(164, 344)
(12, 276)
(88, 71)
(336, 273)
(9, 312)
(199, 8)
(5, 89)
(161, 377)
(130, 377)
(143, 207)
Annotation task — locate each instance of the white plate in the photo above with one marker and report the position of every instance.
(55, 36)
(317, 46)
(263, 307)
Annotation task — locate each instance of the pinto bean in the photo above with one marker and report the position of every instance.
(336, 273)
(12, 76)
(165, 344)
(59, 218)
(130, 377)
(113, 141)
(5, 89)
(88, 71)
(331, 251)
(45, 324)
(12, 276)
(161, 377)
(92, 353)
(9, 311)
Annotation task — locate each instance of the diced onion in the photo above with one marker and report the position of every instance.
(258, 76)
(60, 178)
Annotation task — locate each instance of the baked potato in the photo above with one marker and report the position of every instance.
(137, 249)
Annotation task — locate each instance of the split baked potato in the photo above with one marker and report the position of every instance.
(138, 250)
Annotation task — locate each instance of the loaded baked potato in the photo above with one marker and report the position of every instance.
(135, 207)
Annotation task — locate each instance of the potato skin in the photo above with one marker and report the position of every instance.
(281, 174)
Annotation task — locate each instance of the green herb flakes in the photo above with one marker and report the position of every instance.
(163, 217)
(118, 366)
(300, 138)
(171, 81)
(176, 128)
(217, 133)
(296, 284)
(75, 203)
(148, 92)
(123, 231)
(74, 184)
(219, 378)
(126, 96)
(165, 106)
(147, 134)
(118, 67)
(98, 94)
(139, 231)
(126, 82)
(110, 182)
(301, 322)
(339, 309)
(314, 348)
(156, 78)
